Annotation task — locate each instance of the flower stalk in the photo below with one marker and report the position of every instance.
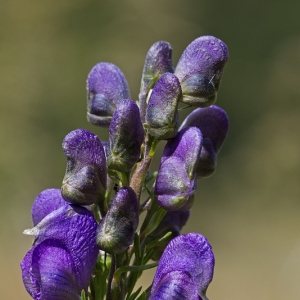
(89, 242)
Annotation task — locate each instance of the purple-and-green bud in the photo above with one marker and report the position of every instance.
(214, 124)
(175, 185)
(126, 135)
(85, 179)
(60, 264)
(172, 222)
(162, 109)
(158, 61)
(200, 70)
(185, 269)
(106, 87)
(116, 230)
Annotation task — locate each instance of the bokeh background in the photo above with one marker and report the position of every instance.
(249, 209)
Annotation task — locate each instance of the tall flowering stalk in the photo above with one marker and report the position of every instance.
(89, 240)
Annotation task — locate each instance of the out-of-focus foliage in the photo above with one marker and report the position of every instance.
(249, 209)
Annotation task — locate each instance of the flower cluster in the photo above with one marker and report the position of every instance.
(88, 243)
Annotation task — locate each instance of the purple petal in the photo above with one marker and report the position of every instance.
(175, 285)
(190, 253)
(46, 202)
(106, 87)
(174, 190)
(48, 272)
(85, 179)
(213, 123)
(76, 228)
(126, 135)
(162, 113)
(187, 146)
(200, 69)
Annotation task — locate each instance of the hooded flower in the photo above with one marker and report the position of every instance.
(213, 123)
(185, 269)
(85, 179)
(176, 183)
(61, 261)
(106, 87)
(200, 70)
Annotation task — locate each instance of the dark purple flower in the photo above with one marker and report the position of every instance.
(162, 112)
(158, 61)
(61, 262)
(126, 135)
(176, 183)
(173, 221)
(185, 269)
(213, 123)
(200, 69)
(106, 87)
(85, 179)
(116, 230)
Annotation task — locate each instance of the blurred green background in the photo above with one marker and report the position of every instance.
(249, 209)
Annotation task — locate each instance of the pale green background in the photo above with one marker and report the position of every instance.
(249, 209)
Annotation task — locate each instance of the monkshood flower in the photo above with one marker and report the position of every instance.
(200, 69)
(126, 135)
(85, 179)
(162, 109)
(60, 263)
(213, 123)
(176, 183)
(158, 61)
(116, 230)
(106, 87)
(172, 222)
(185, 269)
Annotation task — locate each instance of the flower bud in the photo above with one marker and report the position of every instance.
(158, 61)
(175, 185)
(85, 179)
(200, 69)
(116, 230)
(162, 112)
(106, 87)
(126, 135)
(185, 269)
(213, 123)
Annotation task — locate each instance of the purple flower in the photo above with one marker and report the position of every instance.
(173, 221)
(61, 261)
(162, 113)
(85, 179)
(158, 61)
(126, 135)
(185, 269)
(213, 123)
(176, 183)
(200, 69)
(116, 230)
(106, 87)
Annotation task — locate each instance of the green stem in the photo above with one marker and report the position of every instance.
(138, 177)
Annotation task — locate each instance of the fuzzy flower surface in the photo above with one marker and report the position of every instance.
(60, 263)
